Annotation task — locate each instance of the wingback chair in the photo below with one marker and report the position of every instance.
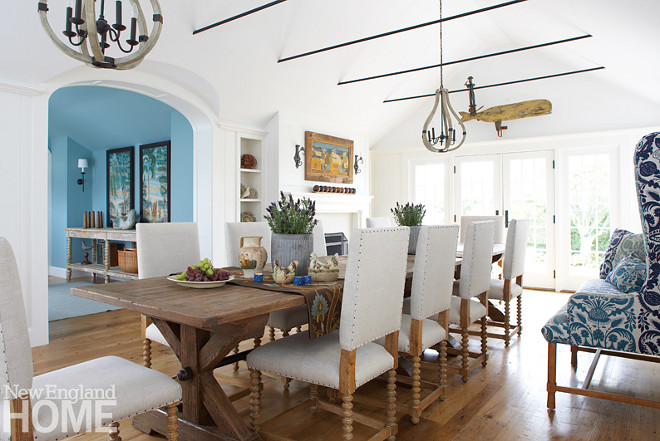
(345, 360)
(137, 389)
(609, 321)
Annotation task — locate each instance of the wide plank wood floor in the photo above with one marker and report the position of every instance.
(504, 401)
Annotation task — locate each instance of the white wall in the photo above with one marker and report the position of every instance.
(24, 202)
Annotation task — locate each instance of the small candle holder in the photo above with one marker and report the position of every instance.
(259, 277)
(298, 280)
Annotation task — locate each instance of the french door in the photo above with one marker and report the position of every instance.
(518, 186)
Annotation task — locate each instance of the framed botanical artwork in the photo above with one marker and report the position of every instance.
(120, 173)
(328, 159)
(155, 182)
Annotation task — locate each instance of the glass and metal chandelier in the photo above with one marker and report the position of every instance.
(446, 137)
(90, 35)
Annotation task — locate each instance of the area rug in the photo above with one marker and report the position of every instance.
(62, 304)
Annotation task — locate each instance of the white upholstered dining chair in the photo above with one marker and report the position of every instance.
(163, 249)
(346, 359)
(427, 324)
(379, 222)
(512, 272)
(498, 233)
(474, 282)
(136, 389)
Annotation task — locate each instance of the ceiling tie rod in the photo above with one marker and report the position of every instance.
(563, 74)
(406, 29)
(464, 60)
(235, 17)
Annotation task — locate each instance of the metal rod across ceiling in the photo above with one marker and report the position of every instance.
(464, 60)
(500, 84)
(397, 31)
(242, 14)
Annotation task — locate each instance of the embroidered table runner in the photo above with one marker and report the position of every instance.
(323, 300)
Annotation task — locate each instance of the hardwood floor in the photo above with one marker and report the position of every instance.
(505, 401)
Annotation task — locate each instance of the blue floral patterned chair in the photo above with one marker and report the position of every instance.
(618, 314)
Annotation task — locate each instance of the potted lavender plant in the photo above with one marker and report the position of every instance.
(292, 223)
(410, 215)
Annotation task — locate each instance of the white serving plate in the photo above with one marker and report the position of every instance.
(202, 285)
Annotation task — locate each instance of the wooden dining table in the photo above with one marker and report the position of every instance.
(201, 326)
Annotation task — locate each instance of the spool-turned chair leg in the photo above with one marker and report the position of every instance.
(172, 422)
(271, 333)
(298, 328)
(442, 377)
(347, 416)
(113, 434)
(415, 405)
(519, 314)
(484, 341)
(235, 351)
(464, 353)
(314, 396)
(146, 353)
(507, 322)
(391, 404)
(255, 397)
(285, 380)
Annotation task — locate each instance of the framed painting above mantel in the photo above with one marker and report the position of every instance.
(120, 173)
(328, 158)
(155, 182)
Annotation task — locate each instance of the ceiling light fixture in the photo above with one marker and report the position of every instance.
(447, 136)
(89, 34)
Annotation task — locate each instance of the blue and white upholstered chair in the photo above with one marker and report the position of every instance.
(604, 319)
(136, 388)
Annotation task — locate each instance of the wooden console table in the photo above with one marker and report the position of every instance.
(105, 234)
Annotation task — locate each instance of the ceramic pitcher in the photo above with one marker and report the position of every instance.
(252, 256)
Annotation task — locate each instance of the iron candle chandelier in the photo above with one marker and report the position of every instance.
(90, 34)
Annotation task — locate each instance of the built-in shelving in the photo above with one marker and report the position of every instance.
(251, 144)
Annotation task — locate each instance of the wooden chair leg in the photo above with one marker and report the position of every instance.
(146, 353)
(172, 422)
(314, 396)
(255, 397)
(507, 323)
(442, 371)
(415, 406)
(465, 354)
(298, 328)
(235, 351)
(271, 333)
(484, 341)
(113, 434)
(574, 356)
(519, 313)
(347, 416)
(552, 374)
(257, 342)
(391, 404)
(286, 381)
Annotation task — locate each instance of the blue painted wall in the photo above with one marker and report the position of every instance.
(68, 201)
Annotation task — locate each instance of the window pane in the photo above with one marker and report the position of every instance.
(477, 188)
(589, 211)
(430, 191)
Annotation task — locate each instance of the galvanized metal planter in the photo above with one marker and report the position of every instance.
(414, 235)
(286, 248)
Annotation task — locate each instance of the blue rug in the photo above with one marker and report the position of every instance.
(62, 304)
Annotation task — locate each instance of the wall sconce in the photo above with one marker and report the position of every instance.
(82, 165)
(356, 167)
(296, 157)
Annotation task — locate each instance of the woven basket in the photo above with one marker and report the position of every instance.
(128, 260)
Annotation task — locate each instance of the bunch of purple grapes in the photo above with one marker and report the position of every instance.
(196, 274)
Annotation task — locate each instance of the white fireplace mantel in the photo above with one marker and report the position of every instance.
(339, 212)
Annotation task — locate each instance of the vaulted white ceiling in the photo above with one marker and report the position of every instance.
(234, 67)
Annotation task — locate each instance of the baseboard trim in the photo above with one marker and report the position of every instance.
(56, 271)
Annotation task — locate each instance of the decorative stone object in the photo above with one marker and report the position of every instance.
(252, 256)
(248, 216)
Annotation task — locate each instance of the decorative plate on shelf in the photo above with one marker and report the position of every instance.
(186, 283)
(248, 161)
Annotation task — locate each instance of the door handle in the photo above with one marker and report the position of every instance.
(506, 218)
